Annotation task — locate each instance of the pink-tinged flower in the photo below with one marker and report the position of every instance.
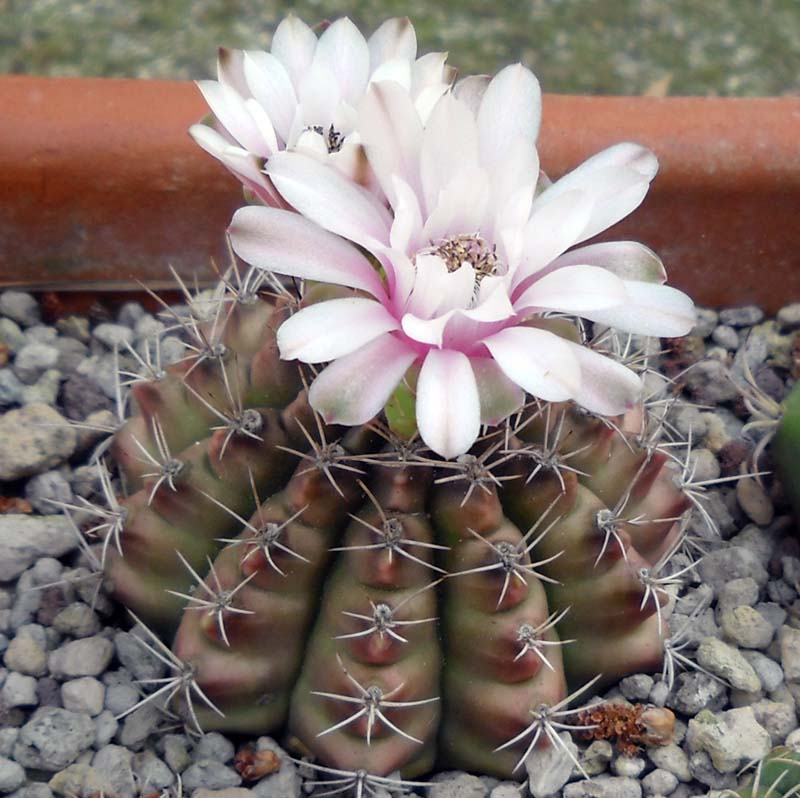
(304, 96)
(472, 256)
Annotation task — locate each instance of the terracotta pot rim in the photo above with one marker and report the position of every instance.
(101, 187)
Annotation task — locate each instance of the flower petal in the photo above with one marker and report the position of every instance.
(538, 361)
(650, 309)
(329, 199)
(449, 147)
(271, 86)
(230, 70)
(392, 132)
(293, 44)
(394, 39)
(343, 52)
(329, 330)
(551, 230)
(574, 289)
(286, 243)
(606, 387)
(229, 108)
(499, 396)
(629, 260)
(511, 107)
(448, 403)
(470, 90)
(356, 387)
(243, 164)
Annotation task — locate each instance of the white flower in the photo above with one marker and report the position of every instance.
(304, 96)
(473, 255)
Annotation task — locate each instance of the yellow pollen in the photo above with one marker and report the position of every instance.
(467, 248)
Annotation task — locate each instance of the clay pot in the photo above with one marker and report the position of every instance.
(100, 185)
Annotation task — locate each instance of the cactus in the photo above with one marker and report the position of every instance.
(424, 554)
(388, 608)
(786, 448)
(776, 776)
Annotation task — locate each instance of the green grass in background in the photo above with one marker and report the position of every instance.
(725, 47)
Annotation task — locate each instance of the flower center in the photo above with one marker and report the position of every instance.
(471, 249)
(333, 138)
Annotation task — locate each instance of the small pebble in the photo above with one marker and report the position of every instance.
(745, 316)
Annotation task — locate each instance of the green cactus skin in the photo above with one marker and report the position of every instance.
(388, 610)
(786, 448)
(777, 776)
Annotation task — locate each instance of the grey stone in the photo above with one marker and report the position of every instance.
(26, 654)
(130, 313)
(106, 726)
(243, 792)
(120, 695)
(703, 770)
(33, 439)
(707, 319)
(113, 335)
(138, 726)
(42, 489)
(710, 382)
(746, 627)
(671, 758)
(790, 653)
(7, 739)
(44, 390)
(11, 336)
(628, 766)
(733, 562)
(19, 691)
(34, 789)
(745, 316)
(53, 738)
(102, 370)
(594, 760)
(71, 354)
(789, 316)
(755, 502)
(694, 691)
(285, 782)
(20, 306)
(777, 718)
(113, 762)
(12, 775)
(549, 767)
(88, 656)
(211, 775)
(152, 775)
(731, 739)
(82, 396)
(726, 337)
(214, 746)
(637, 687)
(83, 695)
(773, 612)
(758, 541)
(659, 782)
(136, 658)
(507, 789)
(80, 781)
(703, 465)
(770, 674)
(176, 753)
(727, 662)
(10, 388)
(148, 327)
(737, 593)
(74, 327)
(77, 620)
(33, 360)
(604, 787)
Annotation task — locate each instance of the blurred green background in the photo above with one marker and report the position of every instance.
(723, 47)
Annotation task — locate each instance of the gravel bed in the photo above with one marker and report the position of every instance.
(70, 663)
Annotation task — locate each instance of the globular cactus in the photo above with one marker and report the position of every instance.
(423, 554)
(776, 776)
(388, 608)
(786, 448)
